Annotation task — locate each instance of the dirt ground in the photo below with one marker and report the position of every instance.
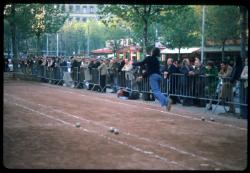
(39, 132)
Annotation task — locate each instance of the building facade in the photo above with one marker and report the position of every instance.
(80, 12)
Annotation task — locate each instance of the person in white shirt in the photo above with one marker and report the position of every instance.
(244, 90)
(127, 68)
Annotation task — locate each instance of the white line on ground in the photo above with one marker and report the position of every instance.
(150, 153)
(133, 135)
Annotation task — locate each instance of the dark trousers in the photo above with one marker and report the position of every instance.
(103, 82)
(244, 99)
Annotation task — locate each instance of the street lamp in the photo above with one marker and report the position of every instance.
(202, 35)
(88, 42)
(57, 44)
(47, 44)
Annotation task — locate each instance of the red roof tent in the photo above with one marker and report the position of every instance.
(102, 51)
(128, 49)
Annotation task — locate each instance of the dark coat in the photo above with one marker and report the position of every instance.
(152, 64)
(235, 75)
(170, 69)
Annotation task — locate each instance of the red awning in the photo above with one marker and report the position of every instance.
(102, 51)
(128, 49)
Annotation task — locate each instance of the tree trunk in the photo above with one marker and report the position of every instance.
(222, 53)
(243, 21)
(38, 46)
(179, 54)
(13, 37)
(145, 36)
(26, 45)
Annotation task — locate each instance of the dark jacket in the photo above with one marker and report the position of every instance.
(63, 64)
(152, 64)
(237, 69)
(121, 64)
(200, 71)
(170, 69)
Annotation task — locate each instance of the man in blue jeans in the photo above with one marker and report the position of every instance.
(153, 70)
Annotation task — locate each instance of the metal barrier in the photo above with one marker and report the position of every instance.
(202, 89)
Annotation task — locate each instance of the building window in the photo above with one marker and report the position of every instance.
(84, 19)
(91, 10)
(77, 8)
(70, 19)
(77, 19)
(84, 9)
(63, 8)
(70, 8)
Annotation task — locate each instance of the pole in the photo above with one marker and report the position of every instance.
(156, 37)
(47, 44)
(88, 42)
(56, 44)
(202, 35)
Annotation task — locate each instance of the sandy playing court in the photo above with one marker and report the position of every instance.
(39, 132)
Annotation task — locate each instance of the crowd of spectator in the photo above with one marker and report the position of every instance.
(188, 82)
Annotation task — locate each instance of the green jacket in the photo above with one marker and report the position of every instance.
(211, 81)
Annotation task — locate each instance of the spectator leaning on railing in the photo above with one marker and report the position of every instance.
(113, 70)
(186, 82)
(227, 89)
(43, 68)
(168, 70)
(103, 73)
(85, 66)
(57, 69)
(199, 83)
(51, 66)
(91, 65)
(211, 80)
(127, 68)
(236, 72)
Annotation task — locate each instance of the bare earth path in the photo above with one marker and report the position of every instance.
(39, 132)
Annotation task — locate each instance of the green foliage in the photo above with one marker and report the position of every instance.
(47, 18)
(138, 17)
(180, 27)
(22, 19)
(32, 20)
(222, 23)
(54, 18)
(76, 34)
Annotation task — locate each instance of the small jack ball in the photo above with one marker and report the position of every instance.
(78, 125)
(116, 131)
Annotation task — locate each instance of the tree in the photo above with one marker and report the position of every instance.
(10, 14)
(73, 37)
(76, 34)
(7, 37)
(138, 16)
(38, 25)
(48, 18)
(181, 28)
(222, 24)
(243, 27)
(27, 20)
